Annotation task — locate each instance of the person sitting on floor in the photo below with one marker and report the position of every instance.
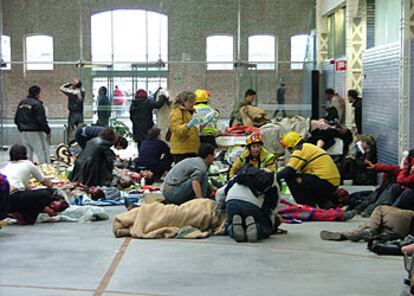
(384, 219)
(95, 163)
(355, 167)
(311, 174)
(188, 178)
(86, 133)
(154, 154)
(254, 154)
(25, 204)
(250, 200)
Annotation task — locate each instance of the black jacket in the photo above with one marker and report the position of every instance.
(357, 104)
(94, 165)
(141, 116)
(31, 116)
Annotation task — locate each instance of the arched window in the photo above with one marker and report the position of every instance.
(219, 48)
(129, 36)
(298, 49)
(261, 50)
(5, 52)
(39, 52)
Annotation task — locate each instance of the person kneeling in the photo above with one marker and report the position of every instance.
(311, 174)
(188, 178)
(250, 200)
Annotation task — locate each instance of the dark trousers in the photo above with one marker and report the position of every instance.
(405, 200)
(30, 203)
(245, 209)
(178, 157)
(312, 190)
(74, 119)
(4, 205)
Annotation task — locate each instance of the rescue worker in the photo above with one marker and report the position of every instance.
(254, 154)
(311, 174)
(208, 117)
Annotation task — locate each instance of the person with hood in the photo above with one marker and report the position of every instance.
(255, 154)
(236, 117)
(311, 174)
(32, 124)
(104, 107)
(76, 96)
(141, 114)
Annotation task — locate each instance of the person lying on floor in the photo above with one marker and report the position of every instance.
(25, 204)
(310, 174)
(384, 219)
(255, 154)
(154, 154)
(325, 137)
(188, 178)
(251, 197)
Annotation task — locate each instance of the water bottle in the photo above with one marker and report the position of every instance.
(142, 182)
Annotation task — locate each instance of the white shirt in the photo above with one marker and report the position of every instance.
(19, 172)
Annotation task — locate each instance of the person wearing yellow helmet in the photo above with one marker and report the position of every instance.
(254, 154)
(311, 174)
(208, 117)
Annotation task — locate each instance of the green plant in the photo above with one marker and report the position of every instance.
(121, 128)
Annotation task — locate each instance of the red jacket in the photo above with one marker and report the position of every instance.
(403, 174)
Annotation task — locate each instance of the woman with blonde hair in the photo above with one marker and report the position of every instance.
(184, 141)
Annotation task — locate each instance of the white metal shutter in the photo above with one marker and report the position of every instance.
(380, 107)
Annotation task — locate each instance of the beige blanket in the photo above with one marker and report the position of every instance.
(197, 218)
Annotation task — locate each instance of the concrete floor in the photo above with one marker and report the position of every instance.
(85, 259)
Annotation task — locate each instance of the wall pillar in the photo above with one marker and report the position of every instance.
(406, 35)
(355, 42)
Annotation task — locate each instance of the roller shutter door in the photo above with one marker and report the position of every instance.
(380, 106)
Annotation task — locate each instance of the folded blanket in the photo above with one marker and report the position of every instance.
(197, 218)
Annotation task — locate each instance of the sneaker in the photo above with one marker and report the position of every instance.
(251, 229)
(239, 234)
(334, 236)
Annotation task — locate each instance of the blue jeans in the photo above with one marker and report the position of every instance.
(245, 209)
(184, 192)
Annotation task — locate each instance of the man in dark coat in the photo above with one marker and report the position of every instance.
(357, 104)
(141, 114)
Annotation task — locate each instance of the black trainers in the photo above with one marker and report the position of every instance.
(239, 234)
(251, 229)
(334, 236)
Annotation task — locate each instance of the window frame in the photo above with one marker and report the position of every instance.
(260, 65)
(28, 64)
(212, 65)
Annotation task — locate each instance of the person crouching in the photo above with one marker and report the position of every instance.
(250, 200)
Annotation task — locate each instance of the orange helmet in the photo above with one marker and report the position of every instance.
(254, 138)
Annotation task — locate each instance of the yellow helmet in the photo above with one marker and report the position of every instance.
(202, 95)
(290, 139)
(254, 138)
